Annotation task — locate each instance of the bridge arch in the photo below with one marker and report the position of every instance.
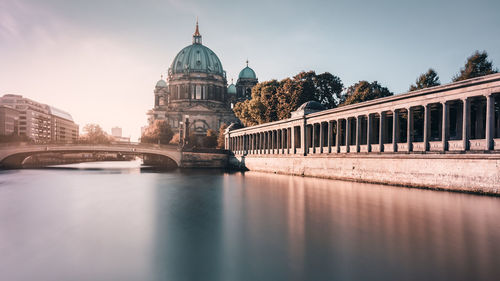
(13, 156)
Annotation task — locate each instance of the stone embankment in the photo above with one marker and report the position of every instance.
(475, 173)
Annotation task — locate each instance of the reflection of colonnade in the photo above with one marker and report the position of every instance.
(460, 116)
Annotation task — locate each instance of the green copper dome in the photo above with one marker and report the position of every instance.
(161, 83)
(231, 89)
(247, 73)
(196, 58)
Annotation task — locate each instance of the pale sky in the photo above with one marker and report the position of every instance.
(99, 60)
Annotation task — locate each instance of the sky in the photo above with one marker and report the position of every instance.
(99, 60)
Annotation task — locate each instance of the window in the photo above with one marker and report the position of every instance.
(198, 92)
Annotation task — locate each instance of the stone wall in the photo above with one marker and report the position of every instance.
(204, 160)
(478, 173)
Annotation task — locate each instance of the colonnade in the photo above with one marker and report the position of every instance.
(420, 122)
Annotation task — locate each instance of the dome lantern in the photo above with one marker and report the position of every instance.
(197, 35)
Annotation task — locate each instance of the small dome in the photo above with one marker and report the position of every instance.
(247, 73)
(231, 90)
(161, 83)
(307, 108)
(311, 105)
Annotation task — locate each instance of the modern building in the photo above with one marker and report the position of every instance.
(62, 126)
(41, 122)
(9, 121)
(116, 133)
(196, 89)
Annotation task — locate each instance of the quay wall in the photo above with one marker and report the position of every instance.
(477, 173)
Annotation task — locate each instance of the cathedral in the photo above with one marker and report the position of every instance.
(196, 89)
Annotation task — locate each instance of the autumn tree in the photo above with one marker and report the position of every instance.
(476, 65)
(94, 134)
(221, 141)
(159, 132)
(210, 140)
(364, 91)
(273, 100)
(426, 80)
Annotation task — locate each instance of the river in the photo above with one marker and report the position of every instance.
(116, 221)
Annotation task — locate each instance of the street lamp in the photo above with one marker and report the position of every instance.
(186, 129)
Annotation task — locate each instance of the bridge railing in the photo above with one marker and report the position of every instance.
(459, 117)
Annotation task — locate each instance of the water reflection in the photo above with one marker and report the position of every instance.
(124, 223)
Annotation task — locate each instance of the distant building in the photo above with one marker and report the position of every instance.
(62, 127)
(40, 122)
(9, 121)
(116, 132)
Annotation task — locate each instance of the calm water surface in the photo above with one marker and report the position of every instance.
(112, 221)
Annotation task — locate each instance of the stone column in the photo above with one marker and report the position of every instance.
(381, 133)
(269, 142)
(321, 142)
(273, 141)
(445, 126)
(292, 139)
(409, 128)
(337, 137)
(313, 138)
(347, 134)
(358, 132)
(263, 145)
(329, 144)
(426, 126)
(490, 117)
(283, 140)
(368, 132)
(303, 135)
(395, 129)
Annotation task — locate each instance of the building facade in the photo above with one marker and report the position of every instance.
(195, 89)
(40, 122)
(9, 121)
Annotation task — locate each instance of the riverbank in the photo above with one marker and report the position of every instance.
(471, 173)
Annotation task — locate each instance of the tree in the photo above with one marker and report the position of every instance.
(94, 134)
(159, 132)
(326, 90)
(262, 107)
(273, 100)
(476, 65)
(221, 141)
(210, 140)
(426, 80)
(364, 91)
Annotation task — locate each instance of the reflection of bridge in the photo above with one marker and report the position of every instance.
(13, 156)
(410, 139)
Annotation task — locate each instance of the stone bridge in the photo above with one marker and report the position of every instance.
(454, 131)
(13, 156)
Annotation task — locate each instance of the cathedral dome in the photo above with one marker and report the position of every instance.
(161, 83)
(231, 90)
(247, 73)
(196, 58)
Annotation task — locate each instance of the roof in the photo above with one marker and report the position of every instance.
(60, 113)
